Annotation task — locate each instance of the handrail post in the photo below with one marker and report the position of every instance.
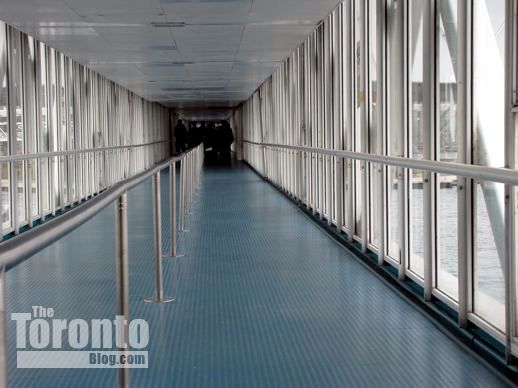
(157, 234)
(172, 210)
(189, 182)
(200, 164)
(199, 167)
(193, 173)
(182, 194)
(183, 170)
(186, 183)
(122, 276)
(192, 179)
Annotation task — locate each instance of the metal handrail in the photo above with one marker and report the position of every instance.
(41, 155)
(25, 245)
(480, 173)
(21, 247)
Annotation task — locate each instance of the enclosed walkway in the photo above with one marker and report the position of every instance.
(264, 299)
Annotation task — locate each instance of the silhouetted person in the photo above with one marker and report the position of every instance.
(180, 134)
(207, 135)
(203, 132)
(195, 136)
(225, 140)
(210, 143)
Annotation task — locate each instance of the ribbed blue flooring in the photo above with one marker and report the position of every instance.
(264, 299)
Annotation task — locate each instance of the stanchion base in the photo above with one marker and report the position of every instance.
(174, 256)
(165, 299)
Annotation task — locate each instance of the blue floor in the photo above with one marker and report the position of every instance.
(264, 299)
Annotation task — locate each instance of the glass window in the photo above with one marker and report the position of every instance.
(447, 260)
(16, 97)
(78, 126)
(357, 139)
(43, 126)
(62, 127)
(71, 134)
(346, 108)
(375, 191)
(489, 141)
(396, 134)
(53, 126)
(416, 229)
(5, 185)
(29, 81)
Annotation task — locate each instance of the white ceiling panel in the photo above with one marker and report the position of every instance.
(123, 11)
(113, 6)
(183, 53)
(290, 11)
(207, 13)
(163, 71)
(222, 40)
(35, 11)
(207, 72)
(140, 35)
